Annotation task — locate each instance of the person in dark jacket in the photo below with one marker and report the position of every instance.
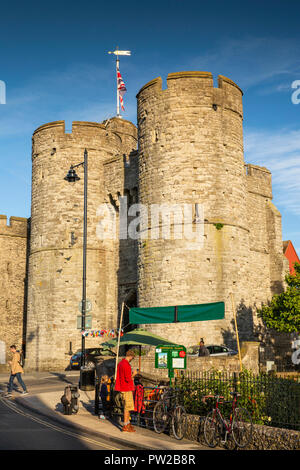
(203, 351)
(104, 395)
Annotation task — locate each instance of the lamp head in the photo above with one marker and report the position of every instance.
(72, 176)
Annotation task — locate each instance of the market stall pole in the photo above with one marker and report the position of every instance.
(140, 357)
(237, 332)
(119, 336)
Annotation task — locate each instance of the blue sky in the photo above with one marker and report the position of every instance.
(55, 65)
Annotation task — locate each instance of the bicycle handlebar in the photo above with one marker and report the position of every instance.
(220, 397)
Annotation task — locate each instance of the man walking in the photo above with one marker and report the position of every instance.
(125, 385)
(16, 371)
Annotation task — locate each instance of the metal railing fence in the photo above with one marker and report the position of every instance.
(271, 400)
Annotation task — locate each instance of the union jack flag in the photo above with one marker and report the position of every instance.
(121, 87)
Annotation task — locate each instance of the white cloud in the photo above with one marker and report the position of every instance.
(284, 87)
(280, 153)
(253, 60)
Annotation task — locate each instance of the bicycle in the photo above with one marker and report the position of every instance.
(239, 424)
(167, 410)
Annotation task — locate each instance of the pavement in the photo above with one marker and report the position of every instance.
(48, 404)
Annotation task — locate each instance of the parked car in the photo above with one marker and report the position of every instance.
(93, 356)
(214, 350)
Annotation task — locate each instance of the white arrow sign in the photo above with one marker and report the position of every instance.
(117, 52)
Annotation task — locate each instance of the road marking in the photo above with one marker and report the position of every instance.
(14, 408)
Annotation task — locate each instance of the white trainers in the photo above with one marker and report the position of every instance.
(25, 393)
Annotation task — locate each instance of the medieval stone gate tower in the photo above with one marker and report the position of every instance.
(190, 151)
(56, 241)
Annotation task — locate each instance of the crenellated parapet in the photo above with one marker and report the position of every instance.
(115, 136)
(17, 227)
(52, 136)
(126, 130)
(198, 89)
(259, 180)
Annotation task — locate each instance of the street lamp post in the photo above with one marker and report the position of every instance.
(72, 177)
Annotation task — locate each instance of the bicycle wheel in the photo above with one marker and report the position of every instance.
(160, 417)
(242, 427)
(179, 421)
(212, 429)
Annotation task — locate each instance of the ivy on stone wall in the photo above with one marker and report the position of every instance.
(219, 226)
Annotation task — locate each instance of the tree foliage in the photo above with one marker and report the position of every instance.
(283, 312)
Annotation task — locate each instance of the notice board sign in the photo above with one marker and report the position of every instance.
(170, 357)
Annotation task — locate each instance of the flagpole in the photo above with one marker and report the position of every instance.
(118, 96)
(117, 52)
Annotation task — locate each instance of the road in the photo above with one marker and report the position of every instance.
(21, 429)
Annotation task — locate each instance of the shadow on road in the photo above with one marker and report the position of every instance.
(61, 377)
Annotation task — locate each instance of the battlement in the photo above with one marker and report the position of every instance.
(223, 82)
(227, 95)
(121, 126)
(17, 226)
(60, 125)
(259, 180)
(126, 130)
(206, 77)
(50, 138)
(113, 132)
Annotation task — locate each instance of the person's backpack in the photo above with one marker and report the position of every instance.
(21, 361)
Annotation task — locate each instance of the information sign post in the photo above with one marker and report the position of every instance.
(170, 357)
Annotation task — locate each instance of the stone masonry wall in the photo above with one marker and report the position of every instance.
(120, 175)
(13, 256)
(267, 262)
(191, 151)
(55, 261)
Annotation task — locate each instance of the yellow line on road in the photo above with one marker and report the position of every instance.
(14, 408)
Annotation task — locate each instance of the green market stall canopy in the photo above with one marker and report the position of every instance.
(180, 313)
(138, 338)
